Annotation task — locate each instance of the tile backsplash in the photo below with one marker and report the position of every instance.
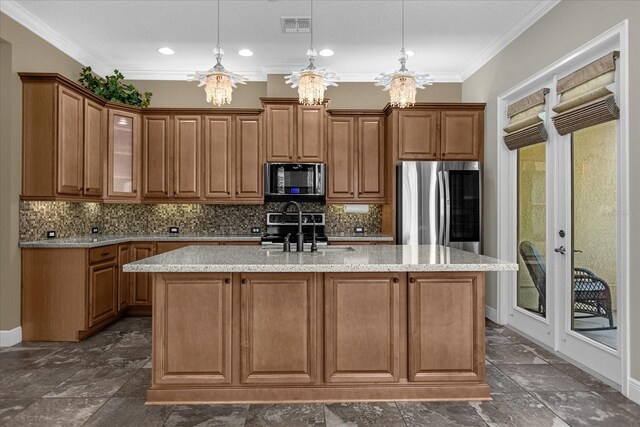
(76, 219)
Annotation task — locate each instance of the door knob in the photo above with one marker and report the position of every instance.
(560, 250)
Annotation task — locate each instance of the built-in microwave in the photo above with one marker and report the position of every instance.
(294, 181)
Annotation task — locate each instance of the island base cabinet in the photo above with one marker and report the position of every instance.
(193, 314)
(446, 327)
(317, 337)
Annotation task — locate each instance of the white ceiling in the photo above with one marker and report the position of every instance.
(451, 39)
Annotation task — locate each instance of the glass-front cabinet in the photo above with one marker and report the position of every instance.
(124, 146)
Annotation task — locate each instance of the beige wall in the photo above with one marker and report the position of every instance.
(28, 53)
(346, 95)
(565, 28)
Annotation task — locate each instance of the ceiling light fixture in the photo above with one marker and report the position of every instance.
(166, 51)
(326, 52)
(402, 84)
(218, 82)
(311, 81)
(245, 52)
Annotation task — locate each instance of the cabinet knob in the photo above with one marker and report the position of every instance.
(412, 279)
(227, 280)
(135, 191)
(243, 281)
(396, 280)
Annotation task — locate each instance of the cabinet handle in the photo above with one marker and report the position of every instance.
(104, 254)
(243, 281)
(135, 191)
(227, 280)
(396, 280)
(412, 279)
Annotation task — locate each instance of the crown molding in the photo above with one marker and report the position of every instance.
(15, 11)
(510, 35)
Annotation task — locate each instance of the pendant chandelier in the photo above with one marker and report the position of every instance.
(218, 82)
(403, 84)
(311, 81)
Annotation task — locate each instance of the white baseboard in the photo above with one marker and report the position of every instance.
(634, 390)
(10, 337)
(491, 313)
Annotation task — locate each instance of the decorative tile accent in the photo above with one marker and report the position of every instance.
(76, 219)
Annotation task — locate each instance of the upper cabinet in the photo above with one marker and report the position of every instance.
(294, 132)
(219, 144)
(248, 161)
(123, 153)
(187, 156)
(64, 140)
(156, 156)
(356, 153)
(438, 132)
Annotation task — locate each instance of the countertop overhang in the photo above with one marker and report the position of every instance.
(360, 258)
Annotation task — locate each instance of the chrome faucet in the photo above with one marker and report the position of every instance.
(300, 236)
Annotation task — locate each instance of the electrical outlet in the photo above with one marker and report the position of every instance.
(94, 230)
(255, 230)
(174, 230)
(51, 234)
(358, 229)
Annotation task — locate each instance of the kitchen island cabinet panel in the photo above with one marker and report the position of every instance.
(278, 328)
(362, 327)
(446, 340)
(187, 353)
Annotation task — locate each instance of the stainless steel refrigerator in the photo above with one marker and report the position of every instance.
(440, 203)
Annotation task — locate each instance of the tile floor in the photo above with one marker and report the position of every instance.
(103, 381)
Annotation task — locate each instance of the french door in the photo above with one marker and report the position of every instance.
(567, 246)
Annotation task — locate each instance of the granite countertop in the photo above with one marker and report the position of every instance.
(366, 237)
(97, 240)
(363, 258)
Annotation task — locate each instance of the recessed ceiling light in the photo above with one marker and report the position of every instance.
(410, 53)
(326, 52)
(166, 51)
(245, 52)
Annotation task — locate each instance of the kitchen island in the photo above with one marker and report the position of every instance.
(363, 323)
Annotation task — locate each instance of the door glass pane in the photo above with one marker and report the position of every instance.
(122, 154)
(594, 202)
(465, 206)
(532, 229)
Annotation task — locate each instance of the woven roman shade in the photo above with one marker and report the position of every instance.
(526, 123)
(585, 97)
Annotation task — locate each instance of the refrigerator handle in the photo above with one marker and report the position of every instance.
(441, 223)
(447, 233)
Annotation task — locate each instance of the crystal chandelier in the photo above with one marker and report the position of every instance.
(218, 82)
(403, 84)
(311, 81)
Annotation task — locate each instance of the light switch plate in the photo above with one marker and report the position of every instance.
(51, 234)
(174, 230)
(358, 229)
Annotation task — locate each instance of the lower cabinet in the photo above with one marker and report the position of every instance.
(446, 340)
(195, 344)
(103, 292)
(141, 290)
(278, 317)
(124, 279)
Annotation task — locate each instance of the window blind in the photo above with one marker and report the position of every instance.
(526, 121)
(586, 98)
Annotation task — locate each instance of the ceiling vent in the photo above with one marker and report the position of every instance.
(295, 24)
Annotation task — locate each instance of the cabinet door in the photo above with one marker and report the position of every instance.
(156, 156)
(462, 135)
(371, 158)
(310, 146)
(103, 292)
(192, 333)
(248, 163)
(123, 155)
(124, 279)
(362, 327)
(446, 327)
(141, 282)
(95, 143)
(218, 157)
(341, 165)
(280, 133)
(187, 155)
(278, 328)
(418, 135)
(70, 142)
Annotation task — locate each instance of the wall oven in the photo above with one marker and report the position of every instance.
(294, 181)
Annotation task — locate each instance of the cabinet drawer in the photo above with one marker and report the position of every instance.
(102, 254)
